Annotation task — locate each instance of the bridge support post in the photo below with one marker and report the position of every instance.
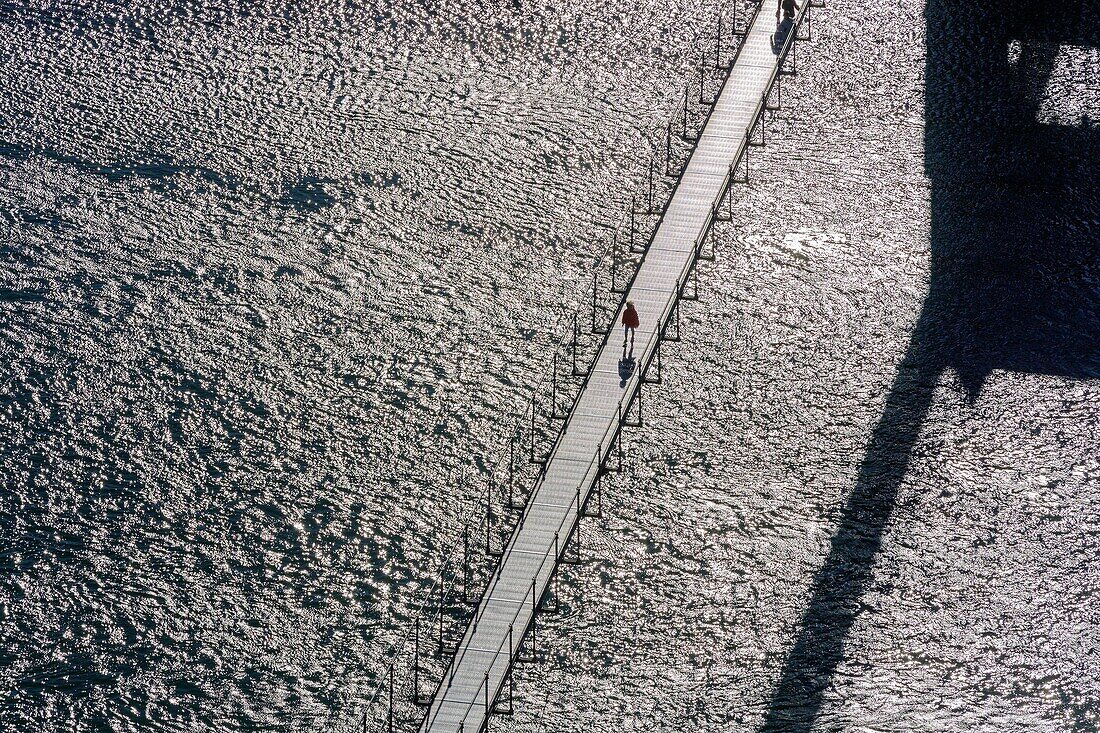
(708, 233)
(574, 539)
(778, 96)
(694, 295)
(727, 196)
(759, 122)
(793, 56)
(733, 172)
(638, 423)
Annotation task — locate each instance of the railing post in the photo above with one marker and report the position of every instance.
(577, 535)
(391, 700)
(778, 84)
(594, 287)
(633, 206)
(657, 358)
(488, 517)
(702, 76)
(511, 679)
(614, 265)
(687, 94)
(554, 385)
(599, 495)
(659, 374)
(466, 564)
(532, 441)
(576, 339)
(619, 438)
(677, 307)
(718, 52)
(651, 183)
(511, 471)
(668, 148)
(695, 270)
(486, 701)
(416, 662)
(441, 614)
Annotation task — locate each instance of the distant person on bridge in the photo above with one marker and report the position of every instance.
(630, 322)
(788, 8)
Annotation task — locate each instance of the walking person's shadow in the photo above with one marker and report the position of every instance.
(627, 365)
(783, 30)
(1014, 280)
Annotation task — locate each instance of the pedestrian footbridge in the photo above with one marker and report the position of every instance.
(502, 628)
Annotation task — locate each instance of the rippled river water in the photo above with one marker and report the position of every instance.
(271, 275)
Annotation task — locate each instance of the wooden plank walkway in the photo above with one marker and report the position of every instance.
(506, 611)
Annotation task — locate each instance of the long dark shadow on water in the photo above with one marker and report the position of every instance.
(1015, 278)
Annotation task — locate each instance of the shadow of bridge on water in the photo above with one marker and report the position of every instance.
(1015, 278)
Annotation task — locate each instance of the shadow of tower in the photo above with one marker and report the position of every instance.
(1015, 277)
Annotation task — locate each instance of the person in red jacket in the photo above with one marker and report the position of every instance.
(630, 322)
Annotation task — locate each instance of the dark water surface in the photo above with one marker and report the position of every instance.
(271, 275)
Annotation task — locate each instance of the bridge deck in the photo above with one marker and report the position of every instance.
(485, 654)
